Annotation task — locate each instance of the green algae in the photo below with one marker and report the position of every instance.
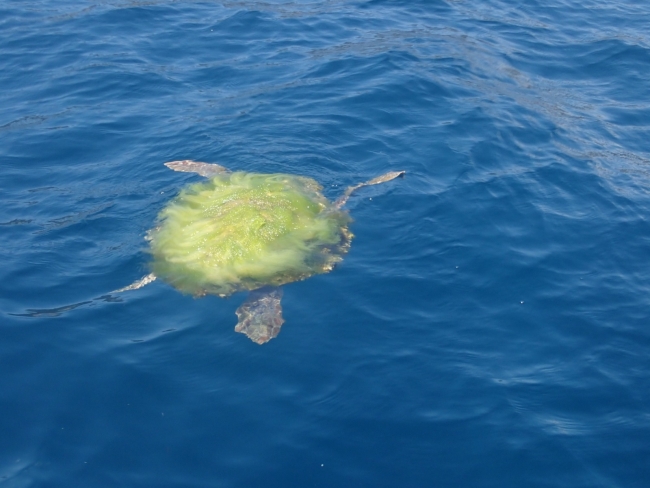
(241, 231)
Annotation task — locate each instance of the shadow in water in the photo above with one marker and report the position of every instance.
(58, 311)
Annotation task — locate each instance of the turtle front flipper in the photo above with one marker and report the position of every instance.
(391, 175)
(260, 316)
(136, 285)
(204, 169)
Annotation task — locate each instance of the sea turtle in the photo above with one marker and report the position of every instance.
(248, 231)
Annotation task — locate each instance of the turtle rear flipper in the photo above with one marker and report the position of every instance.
(204, 169)
(260, 316)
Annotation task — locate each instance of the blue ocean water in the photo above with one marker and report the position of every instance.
(489, 327)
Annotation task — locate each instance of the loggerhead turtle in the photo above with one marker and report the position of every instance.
(248, 231)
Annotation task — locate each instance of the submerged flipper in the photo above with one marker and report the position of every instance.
(260, 316)
(342, 200)
(204, 169)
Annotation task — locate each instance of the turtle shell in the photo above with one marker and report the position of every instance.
(242, 231)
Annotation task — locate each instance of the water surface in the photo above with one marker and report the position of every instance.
(488, 327)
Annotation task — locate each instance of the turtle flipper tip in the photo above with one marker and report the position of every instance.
(391, 175)
(199, 167)
(184, 165)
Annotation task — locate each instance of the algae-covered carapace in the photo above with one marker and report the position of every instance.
(241, 231)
